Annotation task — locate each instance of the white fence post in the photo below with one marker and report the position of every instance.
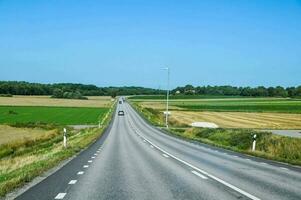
(65, 138)
(254, 142)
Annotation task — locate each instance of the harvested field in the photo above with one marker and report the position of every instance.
(47, 101)
(241, 119)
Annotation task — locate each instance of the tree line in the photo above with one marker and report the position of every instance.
(70, 90)
(260, 91)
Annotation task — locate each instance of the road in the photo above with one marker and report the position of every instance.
(134, 160)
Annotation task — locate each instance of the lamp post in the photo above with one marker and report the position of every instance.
(167, 97)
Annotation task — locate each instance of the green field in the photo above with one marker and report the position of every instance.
(243, 105)
(163, 97)
(52, 115)
(277, 105)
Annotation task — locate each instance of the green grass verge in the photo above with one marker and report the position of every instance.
(27, 159)
(269, 146)
(53, 115)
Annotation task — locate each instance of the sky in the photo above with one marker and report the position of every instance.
(129, 42)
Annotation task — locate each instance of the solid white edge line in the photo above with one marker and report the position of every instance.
(209, 175)
(198, 174)
(166, 156)
(60, 195)
(72, 182)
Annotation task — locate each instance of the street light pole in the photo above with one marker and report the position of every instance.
(167, 98)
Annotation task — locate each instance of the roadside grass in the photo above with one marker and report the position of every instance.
(9, 134)
(269, 146)
(22, 160)
(274, 147)
(52, 115)
(19, 100)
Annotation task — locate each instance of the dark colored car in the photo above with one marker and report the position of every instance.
(120, 113)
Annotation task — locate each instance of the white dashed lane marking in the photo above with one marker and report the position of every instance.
(72, 182)
(199, 174)
(60, 195)
(284, 168)
(85, 166)
(80, 173)
(89, 161)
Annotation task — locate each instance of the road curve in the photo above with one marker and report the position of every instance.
(137, 161)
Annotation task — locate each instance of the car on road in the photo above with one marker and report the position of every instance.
(120, 113)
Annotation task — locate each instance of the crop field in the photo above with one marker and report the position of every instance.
(235, 105)
(259, 113)
(104, 101)
(181, 97)
(52, 115)
(241, 119)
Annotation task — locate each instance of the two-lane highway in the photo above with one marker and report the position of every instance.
(137, 161)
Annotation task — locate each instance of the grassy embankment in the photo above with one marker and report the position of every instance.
(274, 147)
(28, 149)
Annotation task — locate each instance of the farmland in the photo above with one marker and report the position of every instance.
(47, 101)
(52, 115)
(259, 113)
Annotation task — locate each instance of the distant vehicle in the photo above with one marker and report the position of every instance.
(120, 113)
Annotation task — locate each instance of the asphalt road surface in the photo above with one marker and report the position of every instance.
(134, 160)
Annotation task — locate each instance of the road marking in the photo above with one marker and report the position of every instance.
(235, 156)
(144, 140)
(207, 174)
(89, 161)
(86, 166)
(93, 157)
(72, 182)
(97, 151)
(60, 195)
(95, 154)
(166, 156)
(151, 146)
(264, 163)
(80, 173)
(198, 174)
(248, 159)
(284, 168)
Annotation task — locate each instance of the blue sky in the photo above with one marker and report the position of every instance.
(115, 42)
